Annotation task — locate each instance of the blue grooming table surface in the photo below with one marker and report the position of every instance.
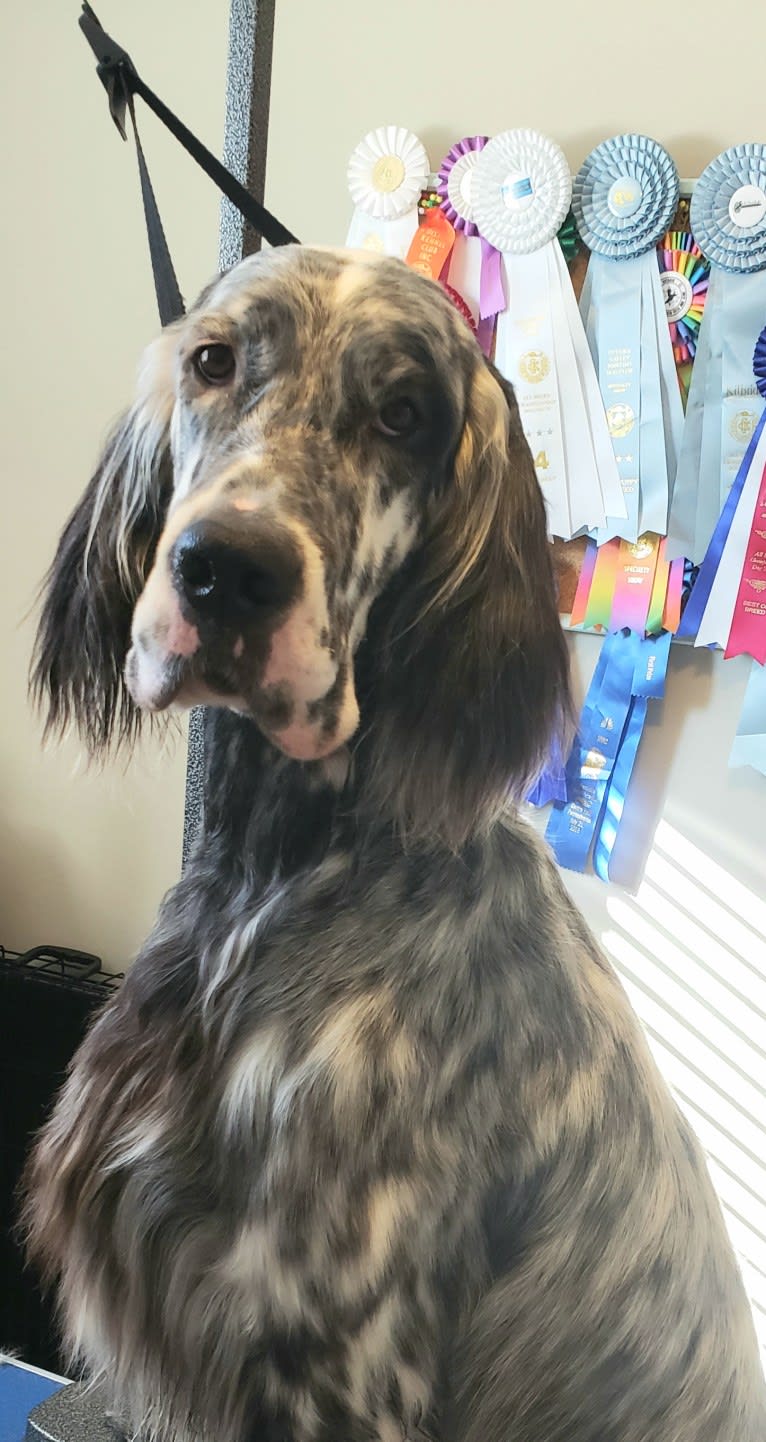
(21, 1388)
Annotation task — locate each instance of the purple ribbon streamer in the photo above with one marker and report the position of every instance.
(491, 293)
(485, 334)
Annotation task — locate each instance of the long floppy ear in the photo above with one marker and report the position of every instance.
(100, 567)
(474, 682)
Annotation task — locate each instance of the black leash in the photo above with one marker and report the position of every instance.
(122, 82)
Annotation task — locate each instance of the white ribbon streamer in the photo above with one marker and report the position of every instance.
(464, 273)
(384, 237)
(601, 452)
(525, 355)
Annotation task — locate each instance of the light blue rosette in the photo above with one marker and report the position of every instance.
(728, 221)
(728, 209)
(521, 189)
(624, 198)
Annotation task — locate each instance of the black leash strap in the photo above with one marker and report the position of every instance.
(122, 82)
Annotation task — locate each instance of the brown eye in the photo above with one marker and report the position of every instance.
(214, 364)
(398, 417)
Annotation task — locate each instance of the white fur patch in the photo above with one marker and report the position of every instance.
(252, 1078)
(298, 660)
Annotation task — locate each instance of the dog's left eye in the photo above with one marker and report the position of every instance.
(214, 364)
(397, 417)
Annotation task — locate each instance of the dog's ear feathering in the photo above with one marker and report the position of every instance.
(475, 676)
(99, 570)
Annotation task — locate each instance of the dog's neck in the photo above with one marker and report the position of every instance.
(271, 817)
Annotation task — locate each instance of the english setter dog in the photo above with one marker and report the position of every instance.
(369, 1145)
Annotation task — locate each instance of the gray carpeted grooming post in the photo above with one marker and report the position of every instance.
(248, 88)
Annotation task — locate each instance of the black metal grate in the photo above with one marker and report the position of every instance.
(48, 996)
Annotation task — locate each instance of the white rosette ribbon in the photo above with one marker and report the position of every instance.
(386, 174)
(728, 221)
(624, 198)
(521, 191)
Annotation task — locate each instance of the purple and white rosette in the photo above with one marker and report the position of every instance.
(623, 200)
(521, 189)
(386, 174)
(475, 265)
(728, 221)
(455, 183)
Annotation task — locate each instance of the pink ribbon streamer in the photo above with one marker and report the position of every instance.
(747, 635)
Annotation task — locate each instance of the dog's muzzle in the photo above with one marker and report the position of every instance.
(235, 613)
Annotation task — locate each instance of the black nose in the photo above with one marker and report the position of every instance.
(234, 579)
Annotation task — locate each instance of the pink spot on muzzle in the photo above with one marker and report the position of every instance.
(181, 638)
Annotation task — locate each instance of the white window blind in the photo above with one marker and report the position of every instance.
(690, 948)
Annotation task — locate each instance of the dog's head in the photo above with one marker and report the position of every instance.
(320, 430)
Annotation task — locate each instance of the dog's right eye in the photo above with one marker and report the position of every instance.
(214, 364)
(397, 417)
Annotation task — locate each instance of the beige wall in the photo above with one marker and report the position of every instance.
(448, 68)
(84, 858)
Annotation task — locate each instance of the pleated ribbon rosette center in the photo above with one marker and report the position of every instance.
(386, 173)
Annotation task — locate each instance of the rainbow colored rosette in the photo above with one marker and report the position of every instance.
(521, 191)
(386, 173)
(684, 274)
(624, 197)
(728, 223)
(727, 607)
(475, 270)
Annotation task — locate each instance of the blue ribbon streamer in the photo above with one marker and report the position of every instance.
(630, 672)
(571, 828)
(552, 784)
(614, 801)
(652, 654)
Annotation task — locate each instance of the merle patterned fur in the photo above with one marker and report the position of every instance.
(369, 1145)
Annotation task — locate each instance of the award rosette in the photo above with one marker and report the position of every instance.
(475, 270)
(386, 174)
(728, 222)
(624, 197)
(684, 275)
(521, 190)
(727, 606)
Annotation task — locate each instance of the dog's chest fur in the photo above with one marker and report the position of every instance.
(287, 1165)
(334, 1154)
